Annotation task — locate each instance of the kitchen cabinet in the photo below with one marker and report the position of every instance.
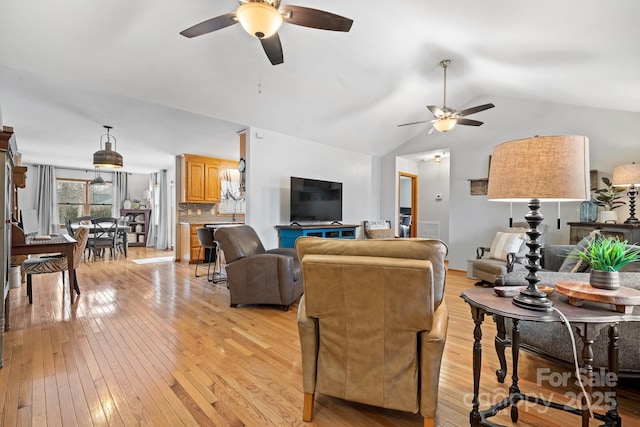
(189, 243)
(200, 179)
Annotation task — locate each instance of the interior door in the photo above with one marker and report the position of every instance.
(408, 203)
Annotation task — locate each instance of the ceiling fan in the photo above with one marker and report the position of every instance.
(446, 118)
(262, 18)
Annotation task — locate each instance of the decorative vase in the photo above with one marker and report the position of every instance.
(588, 211)
(604, 279)
(126, 204)
(609, 217)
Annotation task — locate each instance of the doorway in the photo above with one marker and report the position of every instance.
(407, 205)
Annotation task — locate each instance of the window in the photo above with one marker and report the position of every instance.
(77, 198)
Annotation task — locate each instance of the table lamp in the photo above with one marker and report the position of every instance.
(543, 168)
(628, 176)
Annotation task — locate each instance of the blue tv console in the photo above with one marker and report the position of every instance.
(287, 234)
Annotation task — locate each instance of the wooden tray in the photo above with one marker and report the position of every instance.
(624, 298)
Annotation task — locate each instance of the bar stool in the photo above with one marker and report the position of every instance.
(205, 237)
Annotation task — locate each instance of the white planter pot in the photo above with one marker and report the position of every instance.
(610, 217)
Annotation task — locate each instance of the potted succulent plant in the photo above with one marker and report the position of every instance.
(609, 199)
(606, 255)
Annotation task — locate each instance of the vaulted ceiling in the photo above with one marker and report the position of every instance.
(68, 67)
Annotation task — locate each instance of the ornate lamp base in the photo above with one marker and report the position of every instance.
(539, 303)
(532, 298)
(632, 206)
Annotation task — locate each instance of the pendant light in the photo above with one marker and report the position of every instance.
(97, 180)
(107, 157)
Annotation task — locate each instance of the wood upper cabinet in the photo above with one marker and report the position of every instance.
(200, 179)
(211, 182)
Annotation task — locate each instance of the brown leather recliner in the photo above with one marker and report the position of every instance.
(373, 322)
(255, 275)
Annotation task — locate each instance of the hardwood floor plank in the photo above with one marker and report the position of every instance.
(113, 397)
(152, 345)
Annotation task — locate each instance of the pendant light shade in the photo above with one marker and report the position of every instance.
(259, 19)
(97, 180)
(107, 157)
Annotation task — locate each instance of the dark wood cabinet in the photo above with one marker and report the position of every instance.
(628, 232)
(7, 189)
(139, 221)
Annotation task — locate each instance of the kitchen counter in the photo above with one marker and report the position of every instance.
(189, 243)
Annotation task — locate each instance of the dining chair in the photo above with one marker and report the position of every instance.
(57, 263)
(83, 220)
(105, 236)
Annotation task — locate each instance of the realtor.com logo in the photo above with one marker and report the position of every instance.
(545, 377)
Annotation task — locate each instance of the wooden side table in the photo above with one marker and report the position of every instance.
(624, 299)
(588, 321)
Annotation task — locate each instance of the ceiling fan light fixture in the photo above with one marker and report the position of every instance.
(444, 125)
(259, 19)
(107, 157)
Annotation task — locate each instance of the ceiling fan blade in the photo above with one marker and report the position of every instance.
(412, 123)
(474, 110)
(211, 25)
(314, 18)
(468, 122)
(273, 48)
(436, 111)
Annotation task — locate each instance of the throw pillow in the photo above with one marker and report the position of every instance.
(505, 243)
(380, 234)
(576, 265)
(520, 254)
(378, 229)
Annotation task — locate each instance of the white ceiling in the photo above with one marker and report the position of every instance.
(70, 66)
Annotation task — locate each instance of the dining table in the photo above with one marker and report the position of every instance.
(22, 244)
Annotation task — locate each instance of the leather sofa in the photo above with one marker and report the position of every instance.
(373, 322)
(551, 340)
(256, 275)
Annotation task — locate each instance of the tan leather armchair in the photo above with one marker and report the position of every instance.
(373, 322)
(255, 275)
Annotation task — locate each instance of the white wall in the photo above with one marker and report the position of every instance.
(473, 220)
(272, 158)
(433, 180)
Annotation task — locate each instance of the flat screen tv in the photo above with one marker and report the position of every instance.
(315, 200)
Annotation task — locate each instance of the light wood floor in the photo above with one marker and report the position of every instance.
(153, 345)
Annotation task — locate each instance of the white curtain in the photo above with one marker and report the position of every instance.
(163, 227)
(47, 200)
(151, 237)
(119, 191)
